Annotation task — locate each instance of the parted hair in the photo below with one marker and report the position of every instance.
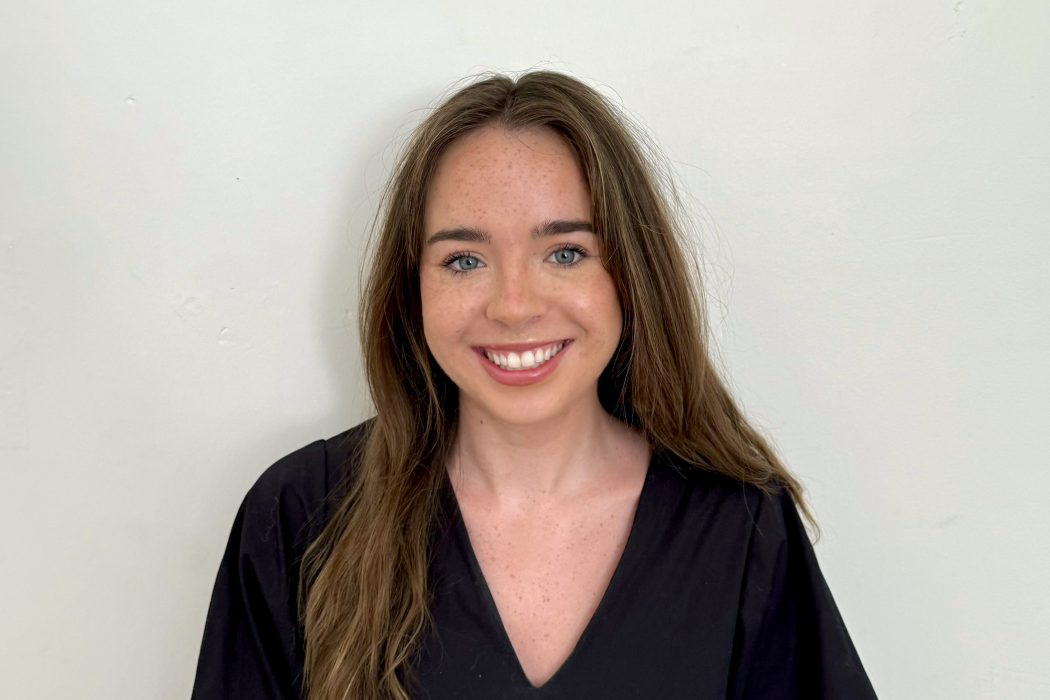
(364, 593)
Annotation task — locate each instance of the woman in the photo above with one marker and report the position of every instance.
(557, 498)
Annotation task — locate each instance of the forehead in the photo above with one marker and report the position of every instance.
(494, 172)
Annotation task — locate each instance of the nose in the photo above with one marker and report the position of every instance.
(516, 299)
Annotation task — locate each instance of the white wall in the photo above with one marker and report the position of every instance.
(184, 191)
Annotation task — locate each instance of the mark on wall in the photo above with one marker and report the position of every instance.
(189, 308)
(958, 30)
(945, 522)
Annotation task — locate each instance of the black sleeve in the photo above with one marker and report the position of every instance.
(252, 645)
(791, 641)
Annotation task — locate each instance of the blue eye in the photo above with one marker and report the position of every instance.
(465, 263)
(461, 262)
(567, 256)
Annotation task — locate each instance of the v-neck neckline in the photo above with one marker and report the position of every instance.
(641, 512)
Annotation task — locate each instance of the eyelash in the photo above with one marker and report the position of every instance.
(574, 248)
(448, 261)
(453, 257)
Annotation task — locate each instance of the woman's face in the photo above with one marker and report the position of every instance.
(518, 309)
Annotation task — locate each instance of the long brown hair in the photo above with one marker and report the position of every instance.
(365, 600)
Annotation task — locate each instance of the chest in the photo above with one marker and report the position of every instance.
(664, 628)
(547, 572)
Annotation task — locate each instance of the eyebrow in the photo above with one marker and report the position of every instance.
(473, 235)
(553, 228)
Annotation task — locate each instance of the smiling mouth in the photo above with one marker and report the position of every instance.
(527, 359)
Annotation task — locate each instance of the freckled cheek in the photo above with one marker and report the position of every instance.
(447, 311)
(598, 307)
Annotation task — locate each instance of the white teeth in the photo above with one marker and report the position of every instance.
(525, 360)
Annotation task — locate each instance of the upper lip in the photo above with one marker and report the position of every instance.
(522, 347)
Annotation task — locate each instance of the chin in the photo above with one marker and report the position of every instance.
(516, 408)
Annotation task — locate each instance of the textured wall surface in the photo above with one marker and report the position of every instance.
(184, 192)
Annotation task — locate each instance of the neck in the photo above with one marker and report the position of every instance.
(559, 457)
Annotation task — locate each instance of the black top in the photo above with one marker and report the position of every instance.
(717, 595)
